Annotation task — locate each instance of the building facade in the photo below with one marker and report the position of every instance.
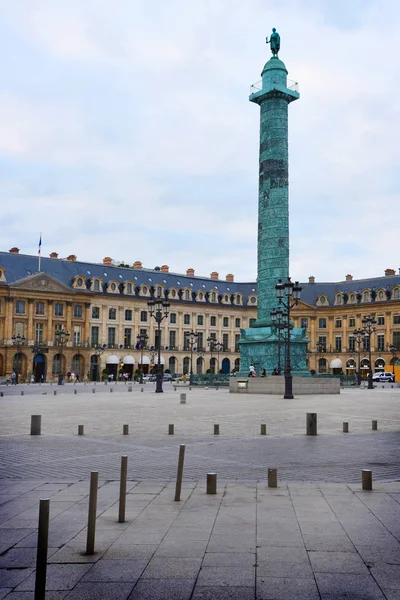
(104, 308)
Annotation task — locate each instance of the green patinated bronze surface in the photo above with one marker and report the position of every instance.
(259, 345)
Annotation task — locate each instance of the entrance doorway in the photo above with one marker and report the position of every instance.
(39, 368)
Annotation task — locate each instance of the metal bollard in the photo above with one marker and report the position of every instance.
(91, 529)
(141, 390)
(170, 429)
(366, 476)
(311, 423)
(122, 489)
(81, 429)
(345, 427)
(183, 398)
(129, 388)
(272, 478)
(111, 390)
(125, 430)
(22, 392)
(179, 473)
(1, 394)
(93, 391)
(211, 483)
(216, 429)
(374, 425)
(42, 548)
(55, 393)
(36, 424)
(263, 429)
(75, 391)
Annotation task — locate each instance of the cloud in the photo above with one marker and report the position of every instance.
(130, 122)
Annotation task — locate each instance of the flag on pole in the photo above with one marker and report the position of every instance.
(40, 243)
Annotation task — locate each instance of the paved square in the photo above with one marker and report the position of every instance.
(317, 535)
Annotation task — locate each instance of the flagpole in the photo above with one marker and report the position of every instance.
(40, 248)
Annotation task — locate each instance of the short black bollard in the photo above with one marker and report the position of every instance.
(125, 429)
(22, 392)
(216, 429)
(2, 394)
(171, 429)
(211, 483)
(179, 473)
(122, 489)
(36, 424)
(81, 429)
(366, 480)
(311, 423)
(75, 391)
(93, 391)
(55, 393)
(42, 548)
(183, 398)
(374, 425)
(345, 427)
(129, 388)
(111, 390)
(91, 528)
(263, 429)
(272, 478)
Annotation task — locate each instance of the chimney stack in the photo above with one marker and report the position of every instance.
(349, 277)
(311, 279)
(164, 269)
(71, 257)
(107, 261)
(190, 272)
(54, 255)
(388, 272)
(137, 265)
(229, 278)
(14, 250)
(214, 275)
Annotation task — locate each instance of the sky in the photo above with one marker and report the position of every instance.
(126, 131)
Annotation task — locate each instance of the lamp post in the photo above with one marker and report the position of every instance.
(278, 317)
(369, 323)
(191, 340)
(62, 338)
(141, 343)
(200, 354)
(159, 309)
(210, 343)
(98, 352)
(359, 335)
(18, 341)
(393, 350)
(288, 294)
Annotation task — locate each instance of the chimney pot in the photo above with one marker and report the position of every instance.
(137, 265)
(14, 250)
(389, 272)
(229, 277)
(349, 277)
(214, 275)
(311, 279)
(71, 257)
(190, 272)
(164, 269)
(107, 261)
(54, 255)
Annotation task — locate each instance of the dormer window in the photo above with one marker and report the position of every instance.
(96, 285)
(396, 294)
(113, 287)
(79, 282)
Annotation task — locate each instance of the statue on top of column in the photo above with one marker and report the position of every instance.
(275, 42)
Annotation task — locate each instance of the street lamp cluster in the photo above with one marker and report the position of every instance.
(19, 342)
(360, 337)
(288, 296)
(159, 310)
(214, 346)
(62, 338)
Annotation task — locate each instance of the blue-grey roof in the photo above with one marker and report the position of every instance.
(19, 266)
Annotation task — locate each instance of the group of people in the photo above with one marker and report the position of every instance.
(253, 373)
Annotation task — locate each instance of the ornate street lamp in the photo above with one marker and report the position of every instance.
(369, 323)
(18, 341)
(140, 345)
(210, 342)
(98, 351)
(359, 335)
(191, 340)
(393, 350)
(288, 295)
(62, 338)
(279, 319)
(159, 309)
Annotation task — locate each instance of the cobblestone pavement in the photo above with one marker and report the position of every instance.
(239, 452)
(317, 536)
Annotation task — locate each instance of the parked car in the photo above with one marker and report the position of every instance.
(382, 376)
(150, 378)
(168, 377)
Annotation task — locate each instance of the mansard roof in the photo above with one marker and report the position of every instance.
(21, 266)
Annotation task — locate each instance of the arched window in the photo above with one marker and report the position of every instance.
(76, 364)
(172, 365)
(199, 365)
(396, 294)
(187, 295)
(352, 297)
(80, 281)
(338, 299)
(57, 364)
(366, 296)
(144, 290)
(213, 297)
